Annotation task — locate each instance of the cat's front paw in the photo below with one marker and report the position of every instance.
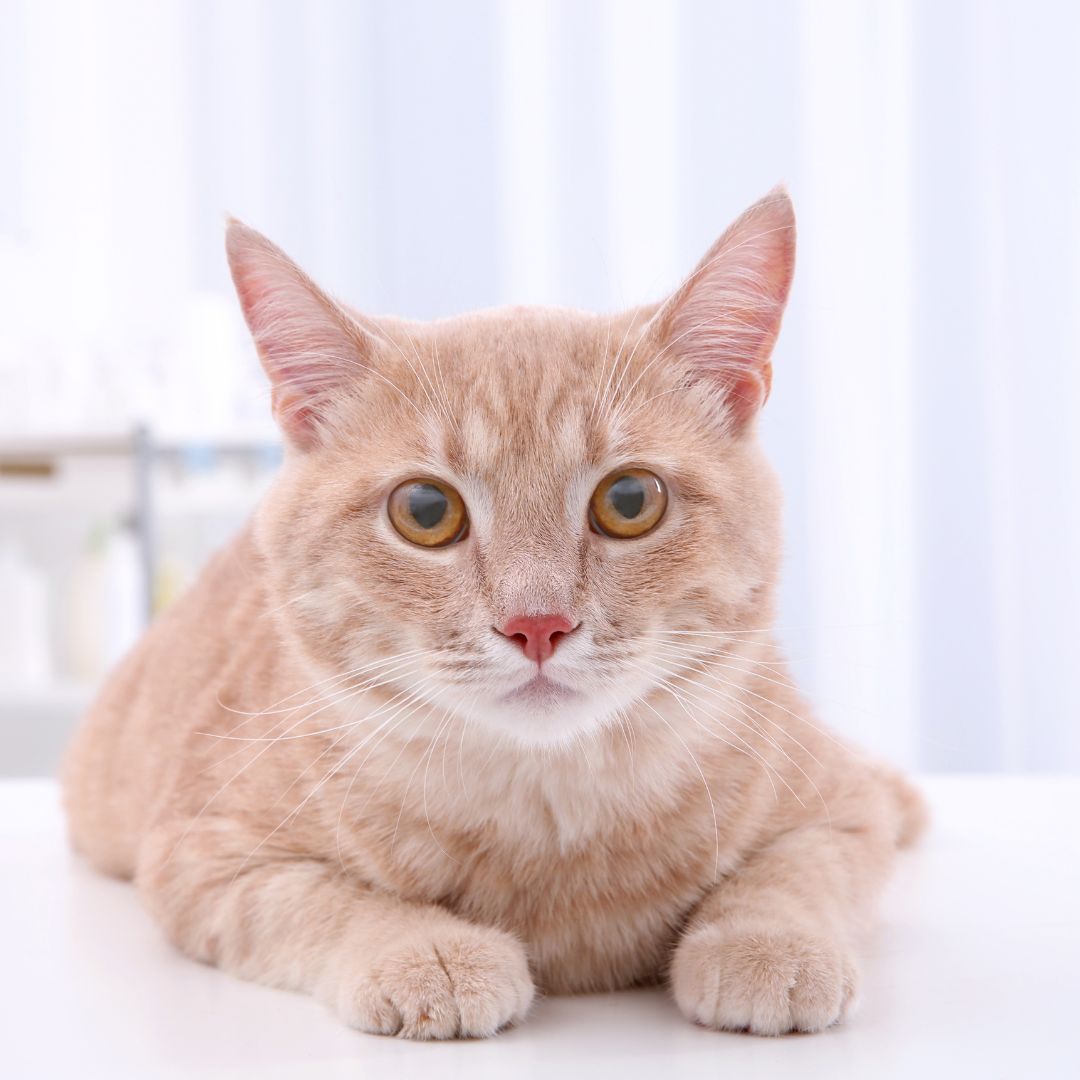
(443, 982)
(768, 980)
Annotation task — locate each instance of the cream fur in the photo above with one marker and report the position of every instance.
(309, 765)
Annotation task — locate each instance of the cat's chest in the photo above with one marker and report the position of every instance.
(597, 907)
(596, 917)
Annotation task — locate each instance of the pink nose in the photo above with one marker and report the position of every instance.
(537, 634)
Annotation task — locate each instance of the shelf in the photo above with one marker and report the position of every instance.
(32, 448)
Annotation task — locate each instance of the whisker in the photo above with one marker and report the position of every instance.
(746, 746)
(602, 395)
(456, 426)
(327, 696)
(407, 669)
(297, 809)
(705, 662)
(448, 718)
(405, 794)
(288, 603)
(745, 706)
(413, 705)
(270, 710)
(708, 790)
(235, 776)
(332, 697)
(461, 747)
(777, 667)
(391, 703)
(716, 691)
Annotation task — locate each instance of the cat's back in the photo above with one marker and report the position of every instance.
(119, 761)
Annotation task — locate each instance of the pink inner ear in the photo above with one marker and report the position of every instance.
(297, 419)
(725, 318)
(746, 392)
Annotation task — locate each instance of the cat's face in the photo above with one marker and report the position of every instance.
(513, 516)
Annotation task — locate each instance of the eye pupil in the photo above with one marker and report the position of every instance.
(627, 496)
(428, 505)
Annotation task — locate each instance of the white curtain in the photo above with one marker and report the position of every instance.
(425, 157)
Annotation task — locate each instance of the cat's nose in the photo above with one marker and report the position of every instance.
(537, 634)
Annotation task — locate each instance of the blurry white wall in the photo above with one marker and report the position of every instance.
(424, 157)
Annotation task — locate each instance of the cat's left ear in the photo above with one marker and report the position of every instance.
(724, 319)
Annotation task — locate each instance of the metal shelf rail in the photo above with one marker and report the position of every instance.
(42, 457)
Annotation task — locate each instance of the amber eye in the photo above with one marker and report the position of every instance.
(428, 513)
(628, 503)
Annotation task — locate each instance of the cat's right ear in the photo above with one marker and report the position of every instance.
(310, 347)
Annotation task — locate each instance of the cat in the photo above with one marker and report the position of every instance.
(485, 700)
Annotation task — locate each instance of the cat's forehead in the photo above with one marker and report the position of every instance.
(522, 396)
(540, 364)
(515, 386)
(523, 350)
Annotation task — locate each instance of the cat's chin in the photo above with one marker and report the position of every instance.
(543, 713)
(540, 692)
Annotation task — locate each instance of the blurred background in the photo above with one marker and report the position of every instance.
(422, 158)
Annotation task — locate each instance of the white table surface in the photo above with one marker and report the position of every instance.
(973, 972)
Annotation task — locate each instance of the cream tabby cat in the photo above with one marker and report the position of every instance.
(485, 699)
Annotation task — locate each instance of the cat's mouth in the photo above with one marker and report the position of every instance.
(541, 691)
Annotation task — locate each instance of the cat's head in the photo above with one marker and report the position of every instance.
(516, 514)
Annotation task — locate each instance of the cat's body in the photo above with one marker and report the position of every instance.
(311, 764)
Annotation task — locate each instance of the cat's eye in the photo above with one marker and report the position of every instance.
(628, 503)
(428, 512)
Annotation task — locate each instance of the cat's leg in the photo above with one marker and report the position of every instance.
(384, 964)
(769, 950)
